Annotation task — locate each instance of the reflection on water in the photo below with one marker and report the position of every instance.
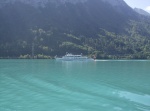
(142, 99)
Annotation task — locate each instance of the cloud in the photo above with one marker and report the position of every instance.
(147, 9)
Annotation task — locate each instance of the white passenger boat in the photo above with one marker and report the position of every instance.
(71, 57)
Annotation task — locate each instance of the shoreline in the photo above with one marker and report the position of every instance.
(52, 58)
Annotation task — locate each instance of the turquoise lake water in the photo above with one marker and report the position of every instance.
(49, 85)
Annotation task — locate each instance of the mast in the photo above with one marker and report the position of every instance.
(33, 50)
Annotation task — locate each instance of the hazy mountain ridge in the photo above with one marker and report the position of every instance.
(116, 2)
(56, 26)
(141, 11)
(44, 2)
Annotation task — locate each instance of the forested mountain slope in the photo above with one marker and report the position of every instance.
(105, 28)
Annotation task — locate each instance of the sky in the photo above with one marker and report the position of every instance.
(143, 4)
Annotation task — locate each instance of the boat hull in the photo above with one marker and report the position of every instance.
(74, 59)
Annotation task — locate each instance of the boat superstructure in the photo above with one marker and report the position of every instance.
(72, 57)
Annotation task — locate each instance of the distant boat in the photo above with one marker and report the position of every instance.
(71, 57)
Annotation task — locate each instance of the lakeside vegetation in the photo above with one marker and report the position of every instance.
(106, 45)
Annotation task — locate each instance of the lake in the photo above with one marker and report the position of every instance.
(49, 85)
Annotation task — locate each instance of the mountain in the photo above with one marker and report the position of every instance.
(105, 28)
(141, 11)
